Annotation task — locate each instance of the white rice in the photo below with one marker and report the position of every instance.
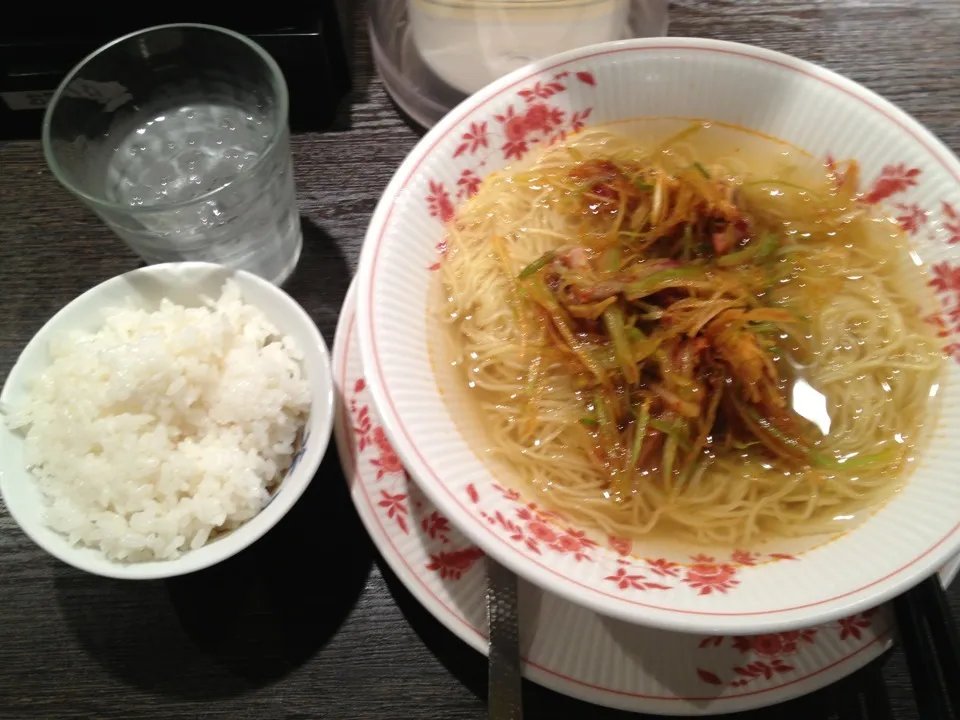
(163, 427)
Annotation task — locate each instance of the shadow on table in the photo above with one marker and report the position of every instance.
(861, 696)
(463, 662)
(321, 279)
(239, 625)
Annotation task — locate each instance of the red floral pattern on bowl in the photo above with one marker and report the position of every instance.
(530, 123)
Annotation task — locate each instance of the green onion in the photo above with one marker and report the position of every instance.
(640, 184)
(688, 242)
(702, 170)
(664, 278)
(762, 327)
(537, 265)
(643, 419)
(675, 430)
(613, 320)
(611, 258)
(605, 421)
(590, 422)
(756, 250)
(858, 462)
(664, 427)
(635, 335)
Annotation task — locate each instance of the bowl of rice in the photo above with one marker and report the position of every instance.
(164, 420)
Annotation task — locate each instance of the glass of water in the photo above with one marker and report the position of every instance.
(177, 137)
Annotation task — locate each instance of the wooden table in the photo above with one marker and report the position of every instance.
(309, 623)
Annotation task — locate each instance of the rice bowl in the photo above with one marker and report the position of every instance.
(182, 430)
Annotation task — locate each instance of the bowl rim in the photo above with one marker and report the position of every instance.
(320, 426)
(543, 574)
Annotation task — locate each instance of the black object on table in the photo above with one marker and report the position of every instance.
(39, 45)
(308, 623)
(928, 636)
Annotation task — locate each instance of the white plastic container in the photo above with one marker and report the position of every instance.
(469, 43)
(432, 54)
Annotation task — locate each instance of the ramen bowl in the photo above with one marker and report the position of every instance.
(722, 590)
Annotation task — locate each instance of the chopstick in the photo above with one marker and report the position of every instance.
(930, 641)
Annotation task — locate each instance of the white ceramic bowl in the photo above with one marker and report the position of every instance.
(740, 592)
(183, 283)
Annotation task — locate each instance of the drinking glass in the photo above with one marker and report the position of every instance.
(177, 137)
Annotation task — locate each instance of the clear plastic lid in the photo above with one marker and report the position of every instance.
(432, 54)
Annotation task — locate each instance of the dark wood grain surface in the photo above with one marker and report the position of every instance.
(309, 623)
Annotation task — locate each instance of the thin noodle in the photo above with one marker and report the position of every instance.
(864, 347)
